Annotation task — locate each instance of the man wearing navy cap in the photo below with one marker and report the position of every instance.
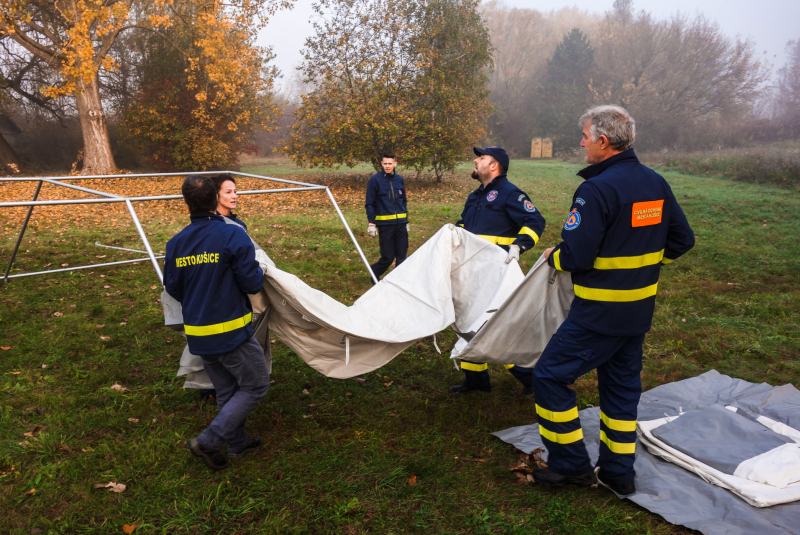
(503, 214)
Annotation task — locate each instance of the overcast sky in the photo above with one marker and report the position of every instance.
(769, 23)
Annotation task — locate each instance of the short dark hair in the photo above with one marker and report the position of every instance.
(200, 194)
(388, 155)
(219, 179)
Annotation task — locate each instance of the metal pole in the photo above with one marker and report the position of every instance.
(144, 239)
(22, 232)
(119, 248)
(81, 188)
(76, 268)
(350, 233)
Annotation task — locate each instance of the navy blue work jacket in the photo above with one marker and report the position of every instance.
(210, 267)
(624, 224)
(386, 200)
(503, 214)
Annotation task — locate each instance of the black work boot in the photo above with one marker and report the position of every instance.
(617, 484)
(547, 477)
(473, 381)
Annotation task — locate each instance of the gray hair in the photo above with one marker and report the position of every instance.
(614, 122)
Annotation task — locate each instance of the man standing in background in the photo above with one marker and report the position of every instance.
(387, 213)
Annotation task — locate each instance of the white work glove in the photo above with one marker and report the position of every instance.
(513, 253)
(408, 227)
(372, 230)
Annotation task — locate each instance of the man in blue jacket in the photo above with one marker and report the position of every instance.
(387, 213)
(623, 225)
(502, 213)
(210, 267)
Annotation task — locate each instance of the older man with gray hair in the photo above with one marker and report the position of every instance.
(624, 224)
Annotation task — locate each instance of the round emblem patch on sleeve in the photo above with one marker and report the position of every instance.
(528, 205)
(573, 220)
(492, 195)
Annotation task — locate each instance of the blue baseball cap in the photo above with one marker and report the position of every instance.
(495, 152)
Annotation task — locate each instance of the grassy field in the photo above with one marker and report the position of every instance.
(338, 459)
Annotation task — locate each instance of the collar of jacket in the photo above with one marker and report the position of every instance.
(493, 184)
(388, 175)
(594, 170)
(231, 216)
(196, 218)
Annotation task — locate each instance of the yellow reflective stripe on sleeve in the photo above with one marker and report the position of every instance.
(666, 260)
(529, 232)
(618, 425)
(557, 417)
(557, 259)
(471, 366)
(499, 240)
(509, 366)
(386, 217)
(617, 447)
(461, 225)
(561, 438)
(219, 328)
(628, 262)
(618, 296)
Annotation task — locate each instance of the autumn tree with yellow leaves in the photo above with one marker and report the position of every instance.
(402, 76)
(74, 38)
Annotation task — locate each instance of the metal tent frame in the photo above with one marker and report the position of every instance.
(105, 197)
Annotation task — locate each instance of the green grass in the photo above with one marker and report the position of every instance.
(338, 459)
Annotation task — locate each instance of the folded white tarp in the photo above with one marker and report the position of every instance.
(750, 454)
(454, 279)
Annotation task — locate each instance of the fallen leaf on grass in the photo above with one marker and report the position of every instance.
(388, 384)
(118, 388)
(64, 265)
(305, 392)
(44, 366)
(14, 373)
(307, 416)
(23, 443)
(472, 459)
(348, 394)
(99, 326)
(105, 338)
(35, 431)
(123, 323)
(133, 420)
(111, 486)
(58, 314)
(361, 381)
(106, 286)
(5, 348)
(412, 480)
(100, 256)
(128, 528)
(153, 287)
(30, 492)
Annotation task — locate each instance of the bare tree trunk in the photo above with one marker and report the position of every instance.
(97, 157)
(8, 157)
(437, 168)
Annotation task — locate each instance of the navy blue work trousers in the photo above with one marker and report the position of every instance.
(241, 379)
(393, 240)
(572, 352)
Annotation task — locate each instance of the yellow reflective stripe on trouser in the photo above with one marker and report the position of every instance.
(561, 438)
(619, 296)
(219, 328)
(386, 217)
(471, 366)
(557, 259)
(531, 233)
(509, 366)
(666, 260)
(617, 447)
(618, 425)
(499, 240)
(557, 417)
(628, 262)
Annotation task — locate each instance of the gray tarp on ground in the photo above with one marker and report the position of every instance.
(454, 279)
(680, 496)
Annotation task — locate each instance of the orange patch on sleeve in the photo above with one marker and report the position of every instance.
(646, 213)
